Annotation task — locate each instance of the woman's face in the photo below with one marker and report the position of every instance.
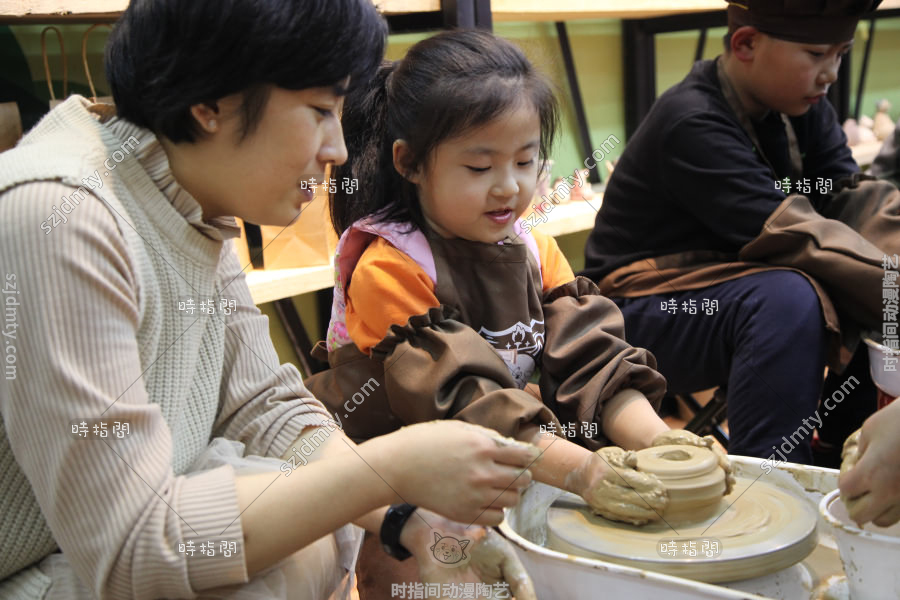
(263, 178)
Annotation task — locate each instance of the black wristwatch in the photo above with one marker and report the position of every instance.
(394, 520)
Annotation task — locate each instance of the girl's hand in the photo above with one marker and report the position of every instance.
(682, 437)
(451, 554)
(465, 472)
(616, 490)
(870, 471)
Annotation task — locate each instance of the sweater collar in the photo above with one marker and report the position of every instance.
(153, 159)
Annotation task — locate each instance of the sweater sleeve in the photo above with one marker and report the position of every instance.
(386, 288)
(114, 507)
(264, 403)
(555, 268)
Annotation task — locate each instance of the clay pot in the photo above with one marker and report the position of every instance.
(692, 476)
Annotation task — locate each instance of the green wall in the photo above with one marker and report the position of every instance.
(597, 51)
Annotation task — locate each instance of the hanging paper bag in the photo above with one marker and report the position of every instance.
(62, 53)
(241, 247)
(307, 242)
(87, 69)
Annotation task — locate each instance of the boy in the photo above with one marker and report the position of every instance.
(707, 173)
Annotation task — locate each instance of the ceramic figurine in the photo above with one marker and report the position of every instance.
(543, 183)
(851, 130)
(865, 130)
(610, 167)
(587, 192)
(884, 126)
(564, 194)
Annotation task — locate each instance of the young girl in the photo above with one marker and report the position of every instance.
(444, 306)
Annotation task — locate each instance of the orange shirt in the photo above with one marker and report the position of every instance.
(388, 287)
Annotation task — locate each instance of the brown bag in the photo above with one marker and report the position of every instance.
(10, 125)
(241, 247)
(307, 242)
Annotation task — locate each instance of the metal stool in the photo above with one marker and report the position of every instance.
(707, 419)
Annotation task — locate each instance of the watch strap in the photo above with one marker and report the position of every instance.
(394, 520)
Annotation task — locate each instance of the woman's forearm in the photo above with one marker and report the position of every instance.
(281, 514)
(559, 459)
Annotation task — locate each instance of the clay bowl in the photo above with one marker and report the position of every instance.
(870, 554)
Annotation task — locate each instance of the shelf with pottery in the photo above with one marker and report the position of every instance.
(88, 11)
(275, 284)
(568, 10)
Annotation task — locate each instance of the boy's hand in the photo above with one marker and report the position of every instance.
(616, 490)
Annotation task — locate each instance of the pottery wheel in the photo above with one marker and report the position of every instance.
(759, 527)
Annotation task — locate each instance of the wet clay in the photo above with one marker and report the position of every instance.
(759, 528)
(626, 494)
(692, 477)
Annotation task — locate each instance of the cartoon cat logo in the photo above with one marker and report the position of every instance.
(449, 550)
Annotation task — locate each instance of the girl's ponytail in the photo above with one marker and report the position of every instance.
(369, 141)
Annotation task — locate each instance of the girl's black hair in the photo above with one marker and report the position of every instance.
(445, 86)
(164, 56)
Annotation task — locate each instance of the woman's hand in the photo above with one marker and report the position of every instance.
(612, 486)
(682, 437)
(451, 554)
(870, 471)
(466, 472)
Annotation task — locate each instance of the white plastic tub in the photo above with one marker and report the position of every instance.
(887, 381)
(565, 577)
(871, 555)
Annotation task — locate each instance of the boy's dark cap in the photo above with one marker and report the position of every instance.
(804, 21)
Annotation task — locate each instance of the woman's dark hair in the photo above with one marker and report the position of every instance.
(445, 86)
(164, 56)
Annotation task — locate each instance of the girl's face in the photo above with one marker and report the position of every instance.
(475, 186)
(262, 177)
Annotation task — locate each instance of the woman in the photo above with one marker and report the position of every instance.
(111, 222)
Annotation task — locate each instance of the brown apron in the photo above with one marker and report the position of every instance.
(461, 359)
(487, 292)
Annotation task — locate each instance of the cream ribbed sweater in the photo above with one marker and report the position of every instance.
(98, 333)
